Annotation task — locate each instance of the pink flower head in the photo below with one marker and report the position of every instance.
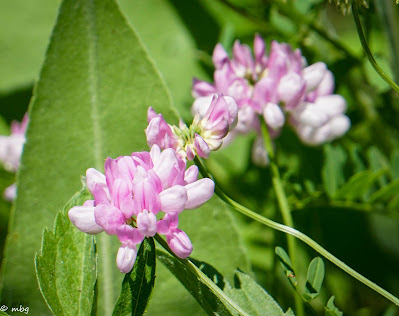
(268, 88)
(215, 117)
(131, 194)
(11, 148)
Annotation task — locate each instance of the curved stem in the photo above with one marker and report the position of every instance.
(292, 231)
(366, 49)
(283, 205)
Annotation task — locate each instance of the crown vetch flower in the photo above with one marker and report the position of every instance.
(274, 87)
(11, 148)
(214, 117)
(133, 190)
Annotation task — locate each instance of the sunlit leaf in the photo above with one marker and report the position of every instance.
(138, 284)
(66, 267)
(286, 264)
(315, 279)
(90, 102)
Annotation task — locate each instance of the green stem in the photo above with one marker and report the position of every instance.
(301, 19)
(366, 49)
(283, 205)
(292, 231)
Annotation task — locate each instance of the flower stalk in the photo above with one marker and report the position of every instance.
(367, 51)
(283, 205)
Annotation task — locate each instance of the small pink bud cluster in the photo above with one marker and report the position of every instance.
(214, 118)
(275, 86)
(141, 195)
(11, 148)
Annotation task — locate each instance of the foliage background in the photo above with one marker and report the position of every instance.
(179, 37)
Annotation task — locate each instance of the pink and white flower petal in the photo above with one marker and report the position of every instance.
(313, 75)
(219, 56)
(199, 192)
(173, 199)
(201, 147)
(147, 223)
(126, 257)
(273, 115)
(83, 218)
(93, 176)
(169, 221)
(291, 90)
(179, 242)
(165, 167)
(127, 233)
(146, 198)
(202, 88)
(191, 174)
(109, 217)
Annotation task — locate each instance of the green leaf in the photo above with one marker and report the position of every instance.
(286, 264)
(377, 162)
(252, 298)
(66, 267)
(138, 284)
(314, 279)
(90, 102)
(22, 48)
(331, 309)
(208, 294)
(332, 172)
(386, 192)
(173, 49)
(358, 185)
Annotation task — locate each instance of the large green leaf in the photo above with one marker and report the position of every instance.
(173, 49)
(24, 31)
(90, 102)
(66, 268)
(138, 284)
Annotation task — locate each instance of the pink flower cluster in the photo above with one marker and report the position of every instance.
(141, 195)
(276, 86)
(11, 148)
(214, 118)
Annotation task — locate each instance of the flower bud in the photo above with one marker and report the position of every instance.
(126, 257)
(179, 242)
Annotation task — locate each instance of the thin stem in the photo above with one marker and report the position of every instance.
(292, 231)
(366, 49)
(283, 205)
